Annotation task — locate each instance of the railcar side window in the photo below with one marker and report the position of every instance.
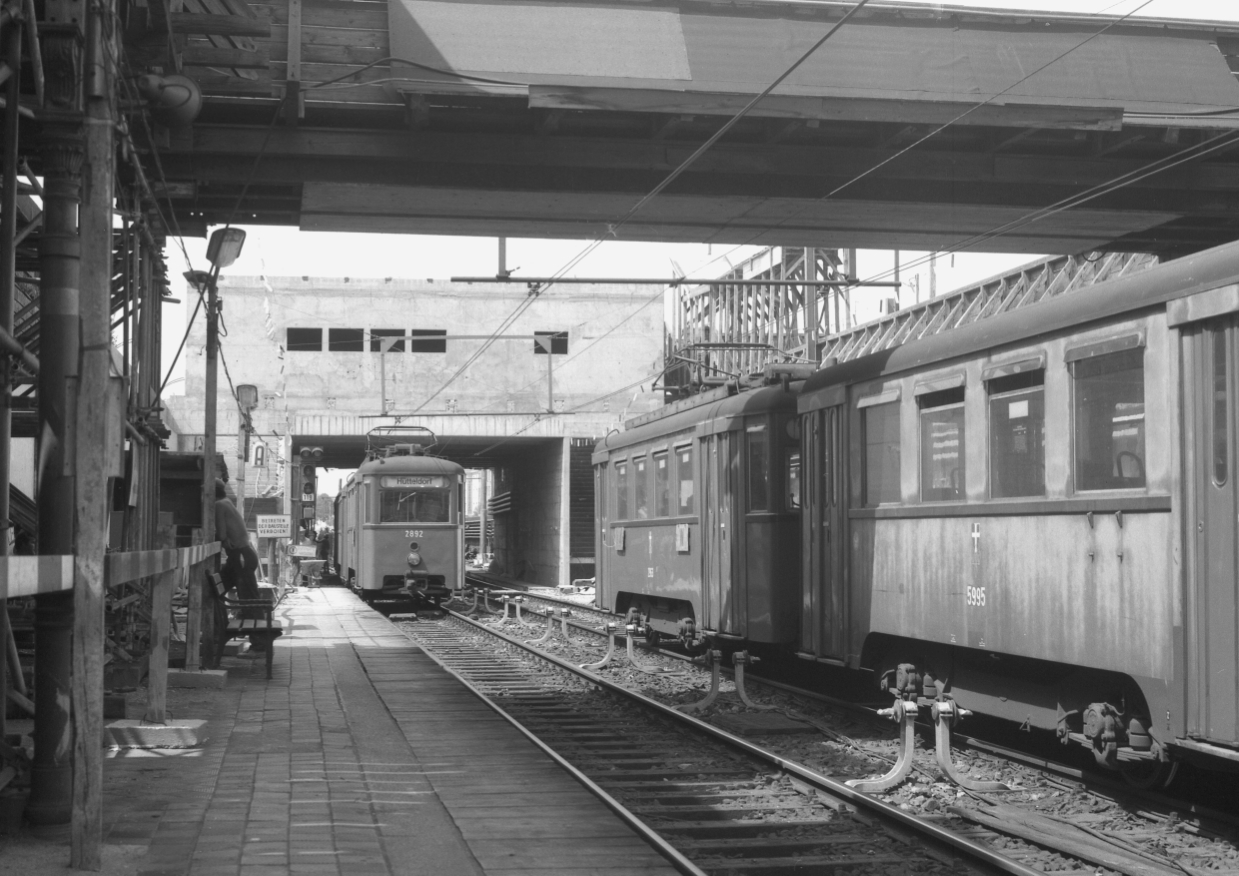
(942, 445)
(621, 491)
(1109, 421)
(1220, 418)
(662, 485)
(759, 468)
(414, 506)
(793, 480)
(880, 425)
(642, 483)
(1017, 435)
(684, 475)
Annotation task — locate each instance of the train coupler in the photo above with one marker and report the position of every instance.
(631, 630)
(740, 659)
(945, 714)
(611, 628)
(904, 714)
(714, 659)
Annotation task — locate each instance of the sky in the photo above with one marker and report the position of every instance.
(289, 252)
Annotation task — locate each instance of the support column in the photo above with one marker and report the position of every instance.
(565, 512)
(204, 627)
(59, 346)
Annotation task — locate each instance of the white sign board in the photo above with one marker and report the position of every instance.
(274, 525)
(304, 551)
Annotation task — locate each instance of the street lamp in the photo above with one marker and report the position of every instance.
(223, 249)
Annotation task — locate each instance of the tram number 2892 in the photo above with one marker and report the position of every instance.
(975, 596)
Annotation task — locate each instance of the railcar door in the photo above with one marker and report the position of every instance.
(824, 597)
(1211, 353)
(718, 467)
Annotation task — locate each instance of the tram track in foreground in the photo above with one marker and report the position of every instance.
(725, 804)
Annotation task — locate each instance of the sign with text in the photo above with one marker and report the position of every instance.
(274, 525)
(304, 551)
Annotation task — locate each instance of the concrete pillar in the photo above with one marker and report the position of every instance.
(59, 345)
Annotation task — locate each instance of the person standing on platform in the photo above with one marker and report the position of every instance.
(240, 568)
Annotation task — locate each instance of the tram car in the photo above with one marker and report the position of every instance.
(698, 510)
(1036, 515)
(400, 526)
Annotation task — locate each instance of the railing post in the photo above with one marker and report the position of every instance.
(161, 634)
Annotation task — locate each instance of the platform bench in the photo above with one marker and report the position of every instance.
(266, 628)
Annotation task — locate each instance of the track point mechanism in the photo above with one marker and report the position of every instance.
(903, 713)
(630, 630)
(611, 628)
(740, 659)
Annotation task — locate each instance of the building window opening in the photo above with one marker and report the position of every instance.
(1017, 435)
(378, 336)
(759, 467)
(684, 475)
(305, 340)
(942, 445)
(880, 425)
(428, 341)
(1109, 421)
(641, 484)
(345, 340)
(550, 342)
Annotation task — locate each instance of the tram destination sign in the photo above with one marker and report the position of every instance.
(274, 526)
(411, 481)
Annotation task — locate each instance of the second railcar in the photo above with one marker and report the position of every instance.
(1037, 513)
(698, 517)
(400, 526)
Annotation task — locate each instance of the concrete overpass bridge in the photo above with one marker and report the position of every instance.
(527, 119)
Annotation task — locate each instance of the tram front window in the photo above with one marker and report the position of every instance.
(414, 506)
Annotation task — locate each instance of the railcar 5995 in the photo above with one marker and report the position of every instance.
(399, 526)
(698, 516)
(1036, 514)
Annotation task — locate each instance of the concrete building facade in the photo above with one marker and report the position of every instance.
(509, 381)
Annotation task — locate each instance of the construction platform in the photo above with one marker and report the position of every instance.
(361, 756)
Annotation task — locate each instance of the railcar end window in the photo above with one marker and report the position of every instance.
(759, 467)
(662, 485)
(1109, 421)
(942, 445)
(414, 506)
(621, 491)
(793, 480)
(1017, 435)
(880, 425)
(641, 484)
(684, 476)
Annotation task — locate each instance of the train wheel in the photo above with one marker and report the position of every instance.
(1150, 775)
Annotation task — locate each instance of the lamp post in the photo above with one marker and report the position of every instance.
(247, 400)
(222, 250)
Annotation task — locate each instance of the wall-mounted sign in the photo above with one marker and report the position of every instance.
(275, 525)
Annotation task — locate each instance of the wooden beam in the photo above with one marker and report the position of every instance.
(294, 101)
(210, 56)
(219, 25)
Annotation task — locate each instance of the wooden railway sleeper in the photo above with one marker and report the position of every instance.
(740, 659)
(611, 628)
(631, 630)
(945, 713)
(715, 659)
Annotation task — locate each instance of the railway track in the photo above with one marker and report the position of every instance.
(725, 805)
(1098, 824)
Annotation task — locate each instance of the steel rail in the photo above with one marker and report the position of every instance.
(664, 848)
(824, 783)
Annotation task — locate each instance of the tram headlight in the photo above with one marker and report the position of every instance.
(415, 559)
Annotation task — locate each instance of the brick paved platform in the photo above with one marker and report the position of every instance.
(361, 756)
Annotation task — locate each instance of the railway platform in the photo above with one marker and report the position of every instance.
(361, 756)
